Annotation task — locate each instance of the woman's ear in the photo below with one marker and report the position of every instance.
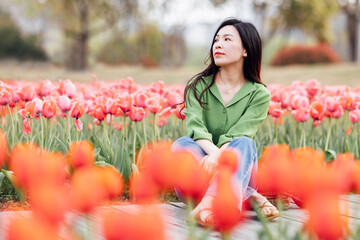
(245, 53)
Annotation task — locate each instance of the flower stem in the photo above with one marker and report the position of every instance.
(134, 144)
(328, 135)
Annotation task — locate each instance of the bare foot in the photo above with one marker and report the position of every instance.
(268, 210)
(203, 213)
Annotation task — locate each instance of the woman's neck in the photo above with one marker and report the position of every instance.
(232, 75)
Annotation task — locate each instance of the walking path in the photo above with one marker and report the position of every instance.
(175, 220)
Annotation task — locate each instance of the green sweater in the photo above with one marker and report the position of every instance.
(221, 124)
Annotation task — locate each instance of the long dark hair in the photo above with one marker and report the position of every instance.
(252, 63)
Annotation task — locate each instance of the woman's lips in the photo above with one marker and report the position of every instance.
(219, 53)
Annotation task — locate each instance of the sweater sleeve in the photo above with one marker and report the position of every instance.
(249, 123)
(195, 126)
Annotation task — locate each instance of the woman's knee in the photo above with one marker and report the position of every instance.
(244, 143)
(180, 143)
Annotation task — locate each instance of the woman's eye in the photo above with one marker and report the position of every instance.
(216, 40)
(226, 39)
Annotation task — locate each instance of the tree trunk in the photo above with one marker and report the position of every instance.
(77, 57)
(351, 25)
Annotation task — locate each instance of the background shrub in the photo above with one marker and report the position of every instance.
(14, 45)
(301, 54)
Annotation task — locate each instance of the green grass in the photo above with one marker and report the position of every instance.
(326, 74)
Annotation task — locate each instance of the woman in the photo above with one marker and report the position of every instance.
(224, 106)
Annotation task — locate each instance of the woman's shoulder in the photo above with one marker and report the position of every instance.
(261, 90)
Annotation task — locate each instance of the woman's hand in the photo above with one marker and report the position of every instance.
(209, 163)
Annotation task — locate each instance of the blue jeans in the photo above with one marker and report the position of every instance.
(243, 181)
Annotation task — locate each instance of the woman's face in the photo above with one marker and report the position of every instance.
(227, 47)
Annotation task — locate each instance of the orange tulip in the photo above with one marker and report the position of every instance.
(27, 93)
(143, 225)
(49, 109)
(112, 180)
(25, 161)
(324, 216)
(87, 189)
(317, 112)
(29, 110)
(161, 163)
(189, 172)
(3, 148)
(225, 205)
(276, 172)
(49, 202)
(21, 228)
(143, 189)
(229, 159)
(81, 154)
(347, 102)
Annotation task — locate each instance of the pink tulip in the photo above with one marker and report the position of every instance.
(5, 96)
(64, 103)
(38, 106)
(174, 98)
(125, 101)
(312, 87)
(275, 109)
(154, 103)
(166, 112)
(140, 98)
(26, 128)
(69, 89)
(331, 104)
(27, 93)
(298, 101)
(301, 115)
(45, 88)
(338, 113)
(354, 116)
(78, 124)
(136, 114)
(110, 107)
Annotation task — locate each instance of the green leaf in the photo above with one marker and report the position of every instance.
(62, 145)
(103, 164)
(330, 155)
(2, 175)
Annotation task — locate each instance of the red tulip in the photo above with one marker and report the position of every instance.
(178, 112)
(99, 113)
(77, 109)
(137, 114)
(49, 109)
(317, 112)
(3, 148)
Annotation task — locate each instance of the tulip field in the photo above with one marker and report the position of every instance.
(73, 146)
